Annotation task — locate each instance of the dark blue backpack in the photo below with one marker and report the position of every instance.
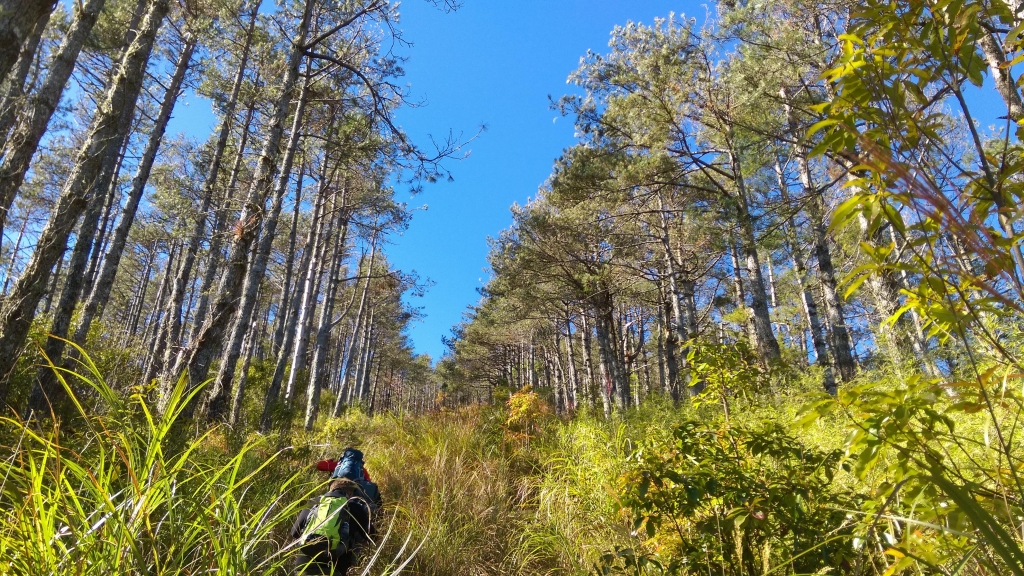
(350, 466)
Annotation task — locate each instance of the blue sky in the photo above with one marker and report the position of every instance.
(492, 62)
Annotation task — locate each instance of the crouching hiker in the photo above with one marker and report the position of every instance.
(332, 530)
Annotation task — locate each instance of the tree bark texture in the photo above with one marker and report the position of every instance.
(274, 390)
(100, 293)
(18, 18)
(810, 305)
(105, 133)
(11, 102)
(35, 116)
(254, 277)
(200, 352)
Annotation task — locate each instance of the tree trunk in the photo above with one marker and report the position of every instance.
(282, 306)
(14, 256)
(47, 390)
(359, 390)
(105, 134)
(310, 291)
(215, 252)
(239, 395)
(345, 395)
(34, 117)
(321, 348)
(1002, 75)
(149, 338)
(274, 390)
(573, 385)
(222, 384)
(138, 295)
(112, 198)
(171, 333)
(842, 347)
(611, 369)
(209, 339)
(662, 329)
(810, 306)
(675, 301)
(560, 375)
(588, 356)
(12, 100)
(100, 293)
(767, 345)
(18, 19)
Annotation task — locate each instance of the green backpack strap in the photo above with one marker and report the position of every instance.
(324, 522)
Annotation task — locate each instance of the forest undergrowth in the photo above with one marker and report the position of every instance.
(753, 484)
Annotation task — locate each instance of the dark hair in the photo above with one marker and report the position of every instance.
(344, 485)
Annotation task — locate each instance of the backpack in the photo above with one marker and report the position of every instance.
(350, 465)
(325, 526)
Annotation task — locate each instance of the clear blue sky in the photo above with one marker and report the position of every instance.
(492, 62)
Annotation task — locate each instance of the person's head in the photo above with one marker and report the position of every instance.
(343, 485)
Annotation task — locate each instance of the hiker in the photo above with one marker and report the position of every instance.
(351, 466)
(332, 529)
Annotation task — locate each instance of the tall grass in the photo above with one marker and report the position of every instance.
(130, 492)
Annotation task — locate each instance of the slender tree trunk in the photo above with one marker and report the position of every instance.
(216, 253)
(47, 390)
(662, 329)
(739, 293)
(171, 334)
(11, 102)
(54, 282)
(918, 342)
(676, 301)
(611, 369)
(14, 256)
(105, 134)
(209, 339)
(361, 366)
(321, 348)
(239, 396)
(34, 117)
(573, 385)
(767, 345)
(842, 347)
(625, 387)
(100, 293)
(1002, 75)
(274, 390)
(139, 294)
(310, 291)
(346, 393)
(810, 306)
(18, 19)
(149, 339)
(108, 208)
(560, 375)
(642, 352)
(282, 307)
(222, 385)
(588, 356)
